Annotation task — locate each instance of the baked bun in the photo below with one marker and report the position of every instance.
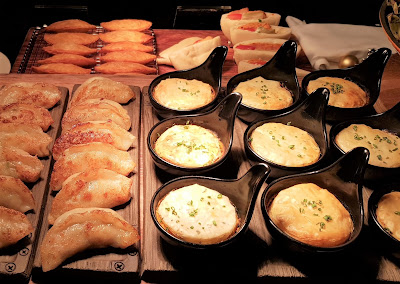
(381, 144)
(71, 25)
(197, 214)
(244, 16)
(343, 93)
(183, 94)
(190, 146)
(264, 94)
(284, 145)
(311, 215)
(388, 213)
(258, 30)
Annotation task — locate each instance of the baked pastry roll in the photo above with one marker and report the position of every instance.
(128, 56)
(95, 188)
(127, 25)
(85, 228)
(264, 94)
(14, 194)
(243, 16)
(27, 137)
(312, 215)
(77, 38)
(26, 114)
(116, 36)
(124, 68)
(183, 94)
(382, 145)
(163, 57)
(70, 48)
(60, 68)
(102, 88)
(14, 226)
(189, 146)
(343, 93)
(93, 131)
(126, 46)
(284, 145)
(17, 163)
(388, 213)
(70, 25)
(90, 156)
(93, 110)
(38, 94)
(258, 30)
(66, 58)
(197, 214)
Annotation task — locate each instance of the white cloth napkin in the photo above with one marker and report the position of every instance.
(325, 44)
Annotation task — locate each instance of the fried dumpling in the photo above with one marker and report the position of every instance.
(66, 58)
(69, 47)
(17, 163)
(84, 228)
(93, 131)
(95, 188)
(14, 226)
(90, 156)
(129, 56)
(60, 68)
(39, 94)
(124, 68)
(116, 36)
(70, 25)
(126, 46)
(27, 114)
(96, 109)
(29, 138)
(127, 25)
(103, 88)
(78, 38)
(14, 194)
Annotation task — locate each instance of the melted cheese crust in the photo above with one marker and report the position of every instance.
(284, 145)
(388, 213)
(343, 93)
(183, 94)
(189, 146)
(264, 94)
(383, 146)
(311, 215)
(197, 214)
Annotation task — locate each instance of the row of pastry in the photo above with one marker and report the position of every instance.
(91, 173)
(121, 47)
(24, 120)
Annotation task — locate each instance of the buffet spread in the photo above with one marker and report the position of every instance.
(136, 116)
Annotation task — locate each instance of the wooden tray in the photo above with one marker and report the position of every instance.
(101, 263)
(16, 261)
(256, 257)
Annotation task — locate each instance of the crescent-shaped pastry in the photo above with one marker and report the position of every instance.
(26, 114)
(128, 56)
(78, 38)
(127, 25)
(85, 228)
(38, 94)
(90, 156)
(69, 47)
(126, 46)
(66, 58)
(29, 138)
(116, 36)
(14, 194)
(96, 109)
(17, 163)
(71, 25)
(95, 188)
(14, 226)
(103, 88)
(124, 68)
(93, 131)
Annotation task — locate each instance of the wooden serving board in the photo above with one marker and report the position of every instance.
(102, 263)
(256, 257)
(16, 261)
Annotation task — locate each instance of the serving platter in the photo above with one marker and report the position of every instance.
(16, 261)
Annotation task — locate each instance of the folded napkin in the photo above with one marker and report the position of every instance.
(325, 44)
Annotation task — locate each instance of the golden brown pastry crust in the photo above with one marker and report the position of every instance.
(14, 226)
(67, 58)
(128, 56)
(69, 48)
(311, 215)
(70, 25)
(14, 194)
(126, 46)
(388, 213)
(116, 36)
(124, 68)
(78, 38)
(60, 68)
(127, 25)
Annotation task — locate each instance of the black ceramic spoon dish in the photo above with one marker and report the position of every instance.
(308, 116)
(210, 72)
(367, 74)
(242, 193)
(280, 68)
